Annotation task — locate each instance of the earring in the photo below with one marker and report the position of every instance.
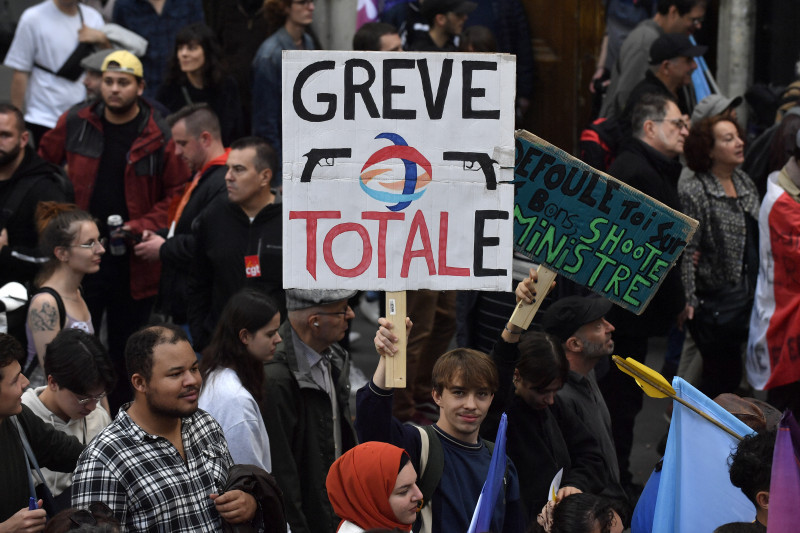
(316, 324)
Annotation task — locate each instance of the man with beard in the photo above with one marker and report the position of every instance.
(579, 323)
(121, 160)
(25, 180)
(161, 464)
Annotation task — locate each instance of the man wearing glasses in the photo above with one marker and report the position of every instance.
(672, 16)
(649, 162)
(79, 373)
(306, 407)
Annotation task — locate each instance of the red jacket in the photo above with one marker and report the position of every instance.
(153, 175)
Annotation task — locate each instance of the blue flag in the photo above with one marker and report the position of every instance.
(482, 518)
(701, 87)
(695, 492)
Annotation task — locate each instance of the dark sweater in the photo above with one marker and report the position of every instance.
(224, 237)
(18, 260)
(656, 175)
(53, 449)
(224, 100)
(543, 441)
(177, 253)
(465, 466)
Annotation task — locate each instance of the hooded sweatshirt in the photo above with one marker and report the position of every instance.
(84, 429)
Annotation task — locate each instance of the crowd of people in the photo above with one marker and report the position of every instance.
(140, 204)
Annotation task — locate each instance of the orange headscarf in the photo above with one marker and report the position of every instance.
(360, 482)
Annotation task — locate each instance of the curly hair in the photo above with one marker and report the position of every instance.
(700, 142)
(750, 466)
(213, 68)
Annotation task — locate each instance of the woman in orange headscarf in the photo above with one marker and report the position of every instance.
(374, 486)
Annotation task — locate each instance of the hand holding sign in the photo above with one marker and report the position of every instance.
(539, 282)
(386, 342)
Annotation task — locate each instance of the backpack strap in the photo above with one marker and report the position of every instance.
(431, 466)
(33, 466)
(62, 312)
(62, 319)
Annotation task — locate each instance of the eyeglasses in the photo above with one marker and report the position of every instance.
(91, 245)
(84, 401)
(677, 122)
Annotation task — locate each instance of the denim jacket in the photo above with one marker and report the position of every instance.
(267, 85)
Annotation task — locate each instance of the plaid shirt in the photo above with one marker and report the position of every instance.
(145, 481)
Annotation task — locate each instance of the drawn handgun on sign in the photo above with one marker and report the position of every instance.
(323, 157)
(476, 161)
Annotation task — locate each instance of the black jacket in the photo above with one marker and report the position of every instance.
(177, 253)
(299, 422)
(224, 237)
(542, 441)
(656, 175)
(652, 85)
(223, 100)
(263, 487)
(53, 449)
(21, 259)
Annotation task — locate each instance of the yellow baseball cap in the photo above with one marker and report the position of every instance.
(124, 62)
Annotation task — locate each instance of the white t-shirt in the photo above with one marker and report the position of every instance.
(47, 36)
(224, 398)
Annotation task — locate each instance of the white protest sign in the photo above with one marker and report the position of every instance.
(397, 170)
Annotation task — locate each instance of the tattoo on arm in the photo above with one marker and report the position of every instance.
(44, 319)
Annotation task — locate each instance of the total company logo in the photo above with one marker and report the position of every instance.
(378, 181)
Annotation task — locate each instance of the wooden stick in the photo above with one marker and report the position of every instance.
(396, 314)
(717, 423)
(523, 313)
(671, 394)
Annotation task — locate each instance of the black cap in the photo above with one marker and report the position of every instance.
(566, 316)
(431, 8)
(672, 45)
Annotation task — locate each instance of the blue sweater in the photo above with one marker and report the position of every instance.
(465, 466)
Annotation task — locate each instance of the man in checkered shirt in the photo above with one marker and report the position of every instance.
(161, 464)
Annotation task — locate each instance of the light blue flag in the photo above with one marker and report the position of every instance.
(701, 87)
(695, 492)
(482, 518)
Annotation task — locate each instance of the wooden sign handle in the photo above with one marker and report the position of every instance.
(396, 314)
(523, 313)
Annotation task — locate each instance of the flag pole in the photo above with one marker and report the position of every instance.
(638, 375)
